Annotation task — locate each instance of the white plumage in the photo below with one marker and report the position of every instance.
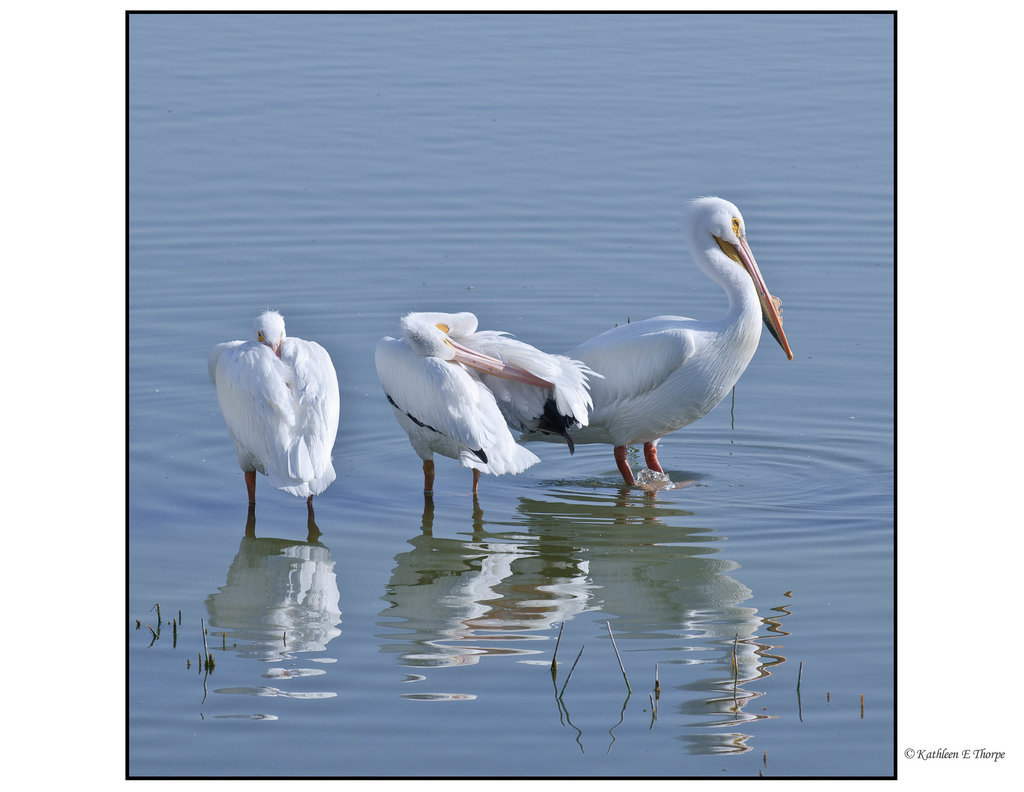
(457, 391)
(663, 373)
(279, 397)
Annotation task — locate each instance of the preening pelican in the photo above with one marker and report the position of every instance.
(279, 397)
(457, 391)
(663, 373)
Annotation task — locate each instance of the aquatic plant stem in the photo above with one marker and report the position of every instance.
(554, 656)
(621, 668)
(573, 668)
(208, 660)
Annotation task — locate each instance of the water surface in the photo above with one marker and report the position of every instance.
(534, 170)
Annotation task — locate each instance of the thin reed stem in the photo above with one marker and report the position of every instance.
(574, 662)
(621, 668)
(554, 656)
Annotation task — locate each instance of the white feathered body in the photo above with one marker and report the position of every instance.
(661, 374)
(445, 409)
(460, 412)
(282, 413)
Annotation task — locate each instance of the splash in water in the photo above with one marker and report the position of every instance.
(652, 481)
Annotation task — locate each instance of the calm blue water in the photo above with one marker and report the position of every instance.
(531, 169)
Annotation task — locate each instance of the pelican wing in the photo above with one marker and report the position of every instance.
(318, 407)
(438, 395)
(522, 404)
(257, 403)
(215, 355)
(636, 358)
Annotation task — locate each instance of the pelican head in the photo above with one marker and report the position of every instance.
(718, 241)
(430, 335)
(268, 328)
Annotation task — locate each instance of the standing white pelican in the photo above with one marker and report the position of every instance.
(279, 397)
(456, 391)
(663, 373)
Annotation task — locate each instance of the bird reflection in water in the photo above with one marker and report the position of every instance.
(642, 561)
(663, 580)
(313, 532)
(280, 600)
(464, 599)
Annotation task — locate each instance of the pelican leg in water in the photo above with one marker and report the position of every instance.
(650, 457)
(428, 477)
(664, 373)
(460, 392)
(280, 400)
(250, 485)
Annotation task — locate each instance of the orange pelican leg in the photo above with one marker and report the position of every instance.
(250, 485)
(476, 479)
(651, 456)
(623, 464)
(428, 476)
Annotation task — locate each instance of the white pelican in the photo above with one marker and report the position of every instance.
(663, 373)
(279, 397)
(456, 392)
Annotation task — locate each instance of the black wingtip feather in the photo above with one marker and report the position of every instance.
(553, 422)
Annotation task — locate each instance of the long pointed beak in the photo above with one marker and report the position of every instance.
(490, 365)
(769, 310)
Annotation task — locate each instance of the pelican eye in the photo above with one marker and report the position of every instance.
(736, 226)
(442, 327)
(259, 335)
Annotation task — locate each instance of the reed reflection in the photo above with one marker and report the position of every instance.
(280, 600)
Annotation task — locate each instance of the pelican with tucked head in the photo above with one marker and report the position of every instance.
(457, 391)
(279, 397)
(664, 373)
